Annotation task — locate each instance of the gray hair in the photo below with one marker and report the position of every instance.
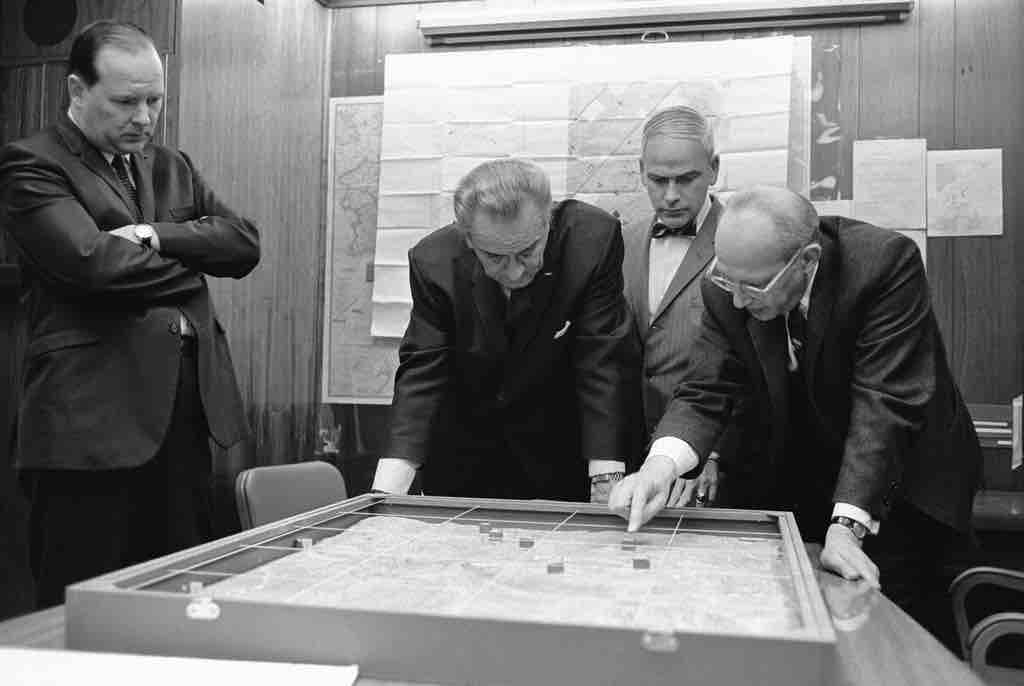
(793, 216)
(499, 188)
(680, 121)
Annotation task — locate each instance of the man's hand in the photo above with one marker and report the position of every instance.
(601, 486)
(702, 491)
(643, 494)
(842, 555)
(680, 492)
(128, 232)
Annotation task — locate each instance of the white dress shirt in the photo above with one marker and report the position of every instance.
(665, 255)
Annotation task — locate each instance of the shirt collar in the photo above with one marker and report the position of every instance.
(698, 221)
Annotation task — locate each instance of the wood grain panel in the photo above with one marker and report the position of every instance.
(354, 66)
(251, 115)
(157, 17)
(21, 101)
(401, 35)
(987, 341)
(888, 80)
(938, 124)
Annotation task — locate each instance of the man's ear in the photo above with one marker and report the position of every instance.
(811, 254)
(714, 170)
(76, 87)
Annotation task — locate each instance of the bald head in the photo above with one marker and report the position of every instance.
(765, 241)
(764, 226)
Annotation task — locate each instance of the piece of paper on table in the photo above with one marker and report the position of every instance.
(889, 182)
(33, 667)
(965, 192)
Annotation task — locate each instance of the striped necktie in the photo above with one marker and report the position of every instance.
(121, 169)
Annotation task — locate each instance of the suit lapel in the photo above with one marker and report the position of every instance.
(769, 339)
(79, 145)
(540, 289)
(637, 277)
(698, 257)
(144, 184)
(487, 299)
(819, 312)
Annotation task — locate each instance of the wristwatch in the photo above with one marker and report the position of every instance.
(145, 233)
(858, 529)
(607, 477)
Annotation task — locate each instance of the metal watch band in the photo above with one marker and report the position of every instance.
(603, 478)
(858, 529)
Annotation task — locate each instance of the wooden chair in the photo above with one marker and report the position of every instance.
(266, 494)
(998, 622)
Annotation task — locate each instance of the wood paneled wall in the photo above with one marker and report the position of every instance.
(951, 74)
(252, 117)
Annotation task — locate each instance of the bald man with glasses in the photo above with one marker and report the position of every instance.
(825, 328)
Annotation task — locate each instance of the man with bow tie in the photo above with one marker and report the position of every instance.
(825, 327)
(517, 373)
(662, 267)
(127, 371)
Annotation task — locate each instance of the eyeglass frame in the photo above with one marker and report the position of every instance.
(753, 292)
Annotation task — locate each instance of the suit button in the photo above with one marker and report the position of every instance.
(173, 328)
(500, 398)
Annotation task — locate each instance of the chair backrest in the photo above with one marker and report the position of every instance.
(996, 622)
(266, 494)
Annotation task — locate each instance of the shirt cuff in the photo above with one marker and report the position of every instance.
(394, 475)
(857, 515)
(679, 451)
(596, 467)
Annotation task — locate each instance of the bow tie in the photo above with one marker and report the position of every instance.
(660, 230)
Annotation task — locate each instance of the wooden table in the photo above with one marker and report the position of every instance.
(877, 643)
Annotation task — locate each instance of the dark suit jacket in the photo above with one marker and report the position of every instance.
(101, 366)
(667, 338)
(890, 420)
(470, 402)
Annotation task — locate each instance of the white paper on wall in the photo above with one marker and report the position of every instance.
(889, 182)
(577, 111)
(965, 192)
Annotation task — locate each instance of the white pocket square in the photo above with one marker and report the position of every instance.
(561, 332)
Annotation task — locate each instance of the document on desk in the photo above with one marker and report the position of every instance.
(33, 667)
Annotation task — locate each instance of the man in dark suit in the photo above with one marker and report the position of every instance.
(127, 371)
(662, 265)
(828, 329)
(517, 374)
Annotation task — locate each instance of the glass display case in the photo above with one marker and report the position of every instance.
(449, 590)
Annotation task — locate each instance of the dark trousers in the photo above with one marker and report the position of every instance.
(86, 523)
(17, 595)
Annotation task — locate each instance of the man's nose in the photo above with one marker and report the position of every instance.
(514, 270)
(672, 192)
(739, 301)
(141, 115)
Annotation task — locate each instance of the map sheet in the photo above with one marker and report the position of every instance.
(535, 571)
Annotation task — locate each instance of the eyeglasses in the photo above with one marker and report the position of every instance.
(745, 289)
